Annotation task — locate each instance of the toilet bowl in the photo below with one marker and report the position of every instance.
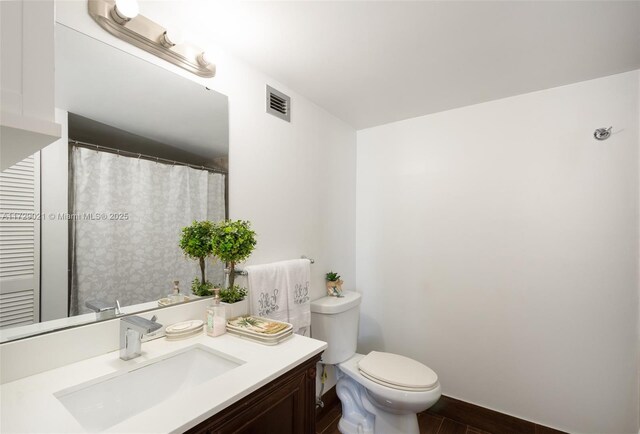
(374, 406)
(381, 393)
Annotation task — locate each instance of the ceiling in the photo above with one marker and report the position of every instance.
(373, 62)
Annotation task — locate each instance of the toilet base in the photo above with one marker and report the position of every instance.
(361, 416)
(355, 418)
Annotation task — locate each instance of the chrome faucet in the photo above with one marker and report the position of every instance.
(131, 330)
(104, 310)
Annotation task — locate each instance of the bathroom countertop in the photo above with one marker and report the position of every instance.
(29, 404)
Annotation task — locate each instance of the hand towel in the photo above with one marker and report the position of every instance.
(268, 291)
(298, 273)
(281, 291)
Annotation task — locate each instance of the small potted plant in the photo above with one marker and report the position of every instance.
(232, 241)
(235, 299)
(196, 244)
(334, 284)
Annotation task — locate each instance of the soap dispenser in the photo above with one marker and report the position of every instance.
(216, 316)
(175, 296)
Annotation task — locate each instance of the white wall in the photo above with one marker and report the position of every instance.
(54, 232)
(498, 243)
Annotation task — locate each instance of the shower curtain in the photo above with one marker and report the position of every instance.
(126, 220)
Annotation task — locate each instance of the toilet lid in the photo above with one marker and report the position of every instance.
(399, 372)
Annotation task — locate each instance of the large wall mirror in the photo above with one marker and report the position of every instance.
(94, 220)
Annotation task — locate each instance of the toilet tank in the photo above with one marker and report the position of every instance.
(335, 321)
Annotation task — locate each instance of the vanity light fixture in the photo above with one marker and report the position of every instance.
(124, 10)
(121, 18)
(171, 38)
(203, 59)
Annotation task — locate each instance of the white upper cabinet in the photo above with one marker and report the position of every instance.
(27, 80)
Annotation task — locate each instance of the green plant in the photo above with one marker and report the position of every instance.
(233, 294)
(232, 242)
(201, 289)
(195, 242)
(332, 276)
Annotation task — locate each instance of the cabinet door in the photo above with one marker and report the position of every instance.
(20, 243)
(27, 79)
(280, 412)
(284, 406)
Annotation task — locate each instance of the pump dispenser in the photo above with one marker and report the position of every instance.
(175, 296)
(216, 316)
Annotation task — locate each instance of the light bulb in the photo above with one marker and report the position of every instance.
(172, 37)
(125, 10)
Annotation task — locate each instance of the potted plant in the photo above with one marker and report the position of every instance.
(334, 284)
(236, 301)
(232, 241)
(196, 244)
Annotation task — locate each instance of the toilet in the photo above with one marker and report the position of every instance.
(381, 393)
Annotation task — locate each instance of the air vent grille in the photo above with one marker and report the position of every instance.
(278, 104)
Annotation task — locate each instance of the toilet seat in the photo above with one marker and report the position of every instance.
(397, 372)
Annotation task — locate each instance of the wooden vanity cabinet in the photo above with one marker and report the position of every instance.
(284, 406)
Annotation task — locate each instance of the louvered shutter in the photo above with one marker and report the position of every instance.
(20, 243)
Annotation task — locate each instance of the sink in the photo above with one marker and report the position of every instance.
(106, 401)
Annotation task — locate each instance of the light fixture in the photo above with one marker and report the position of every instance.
(121, 18)
(124, 11)
(171, 38)
(203, 59)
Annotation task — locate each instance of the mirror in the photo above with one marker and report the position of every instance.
(94, 219)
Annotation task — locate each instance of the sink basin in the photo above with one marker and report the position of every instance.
(106, 401)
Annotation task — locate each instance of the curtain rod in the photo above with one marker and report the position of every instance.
(143, 156)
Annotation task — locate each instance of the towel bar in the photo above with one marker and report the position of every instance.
(244, 272)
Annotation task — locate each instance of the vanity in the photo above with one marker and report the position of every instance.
(198, 385)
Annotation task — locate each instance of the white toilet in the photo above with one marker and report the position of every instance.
(380, 392)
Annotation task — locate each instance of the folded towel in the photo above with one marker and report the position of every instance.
(280, 291)
(268, 291)
(298, 275)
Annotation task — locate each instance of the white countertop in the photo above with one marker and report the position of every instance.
(29, 404)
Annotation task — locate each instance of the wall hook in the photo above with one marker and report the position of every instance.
(602, 133)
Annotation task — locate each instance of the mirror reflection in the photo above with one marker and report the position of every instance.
(91, 224)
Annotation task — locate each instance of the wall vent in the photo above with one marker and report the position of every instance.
(278, 104)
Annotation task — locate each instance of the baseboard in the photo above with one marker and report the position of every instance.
(485, 419)
(464, 413)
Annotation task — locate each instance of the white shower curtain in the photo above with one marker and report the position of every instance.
(127, 219)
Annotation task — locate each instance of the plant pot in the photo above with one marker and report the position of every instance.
(334, 288)
(238, 308)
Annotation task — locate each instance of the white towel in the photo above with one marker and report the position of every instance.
(298, 275)
(281, 291)
(268, 291)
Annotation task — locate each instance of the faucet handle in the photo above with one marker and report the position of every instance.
(141, 324)
(118, 308)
